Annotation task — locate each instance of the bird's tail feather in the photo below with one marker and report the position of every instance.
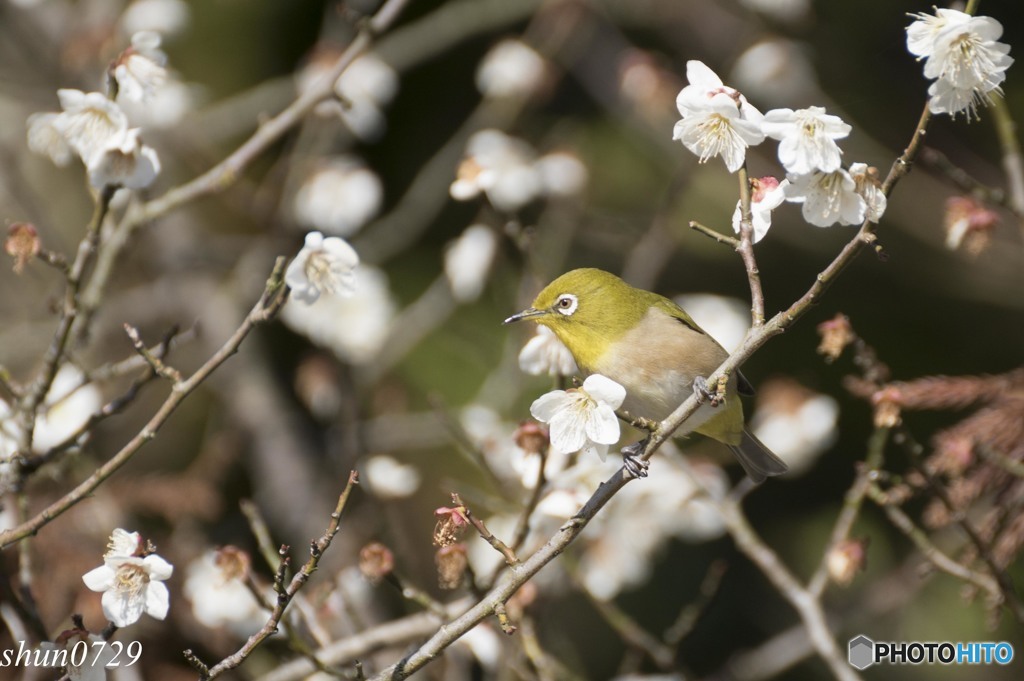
(757, 460)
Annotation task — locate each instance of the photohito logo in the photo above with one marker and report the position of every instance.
(864, 652)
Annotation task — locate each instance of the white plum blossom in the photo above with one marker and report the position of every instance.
(140, 70)
(510, 69)
(827, 198)
(96, 129)
(389, 478)
(68, 406)
(767, 194)
(582, 419)
(467, 261)
(963, 54)
(124, 162)
(131, 581)
(869, 187)
(716, 120)
(545, 354)
(806, 138)
(339, 197)
(352, 326)
(323, 266)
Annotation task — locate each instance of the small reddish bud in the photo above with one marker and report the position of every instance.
(968, 224)
(376, 562)
(759, 186)
(835, 334)
(451, 562)
(450, 524)
(531, 437)
(233, 562)
(887, 403)
(846, 560)
(22, 244)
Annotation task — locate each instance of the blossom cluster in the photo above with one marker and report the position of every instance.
(961, 53)
(717, 120)
(94, 127)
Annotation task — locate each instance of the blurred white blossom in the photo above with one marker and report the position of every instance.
(716, 120)
(724, 319)
(90, 122)
(215, 585)
(131, 582)
(776, 71)
(796, 423)
(500, 166)
(68, 406)
(545, 354)
(789, 11)
(166, 106)
(562, 174)
(323, 267)
(510, 69)
(365, 88)
(167, 17)
(807, 138)
(353, 327)
(140, 70)
(90, 667)
(582, 419)
(339, 197)
(767, 194)
(124, 162)
(46, 138)
(389, 478)
(467, 261)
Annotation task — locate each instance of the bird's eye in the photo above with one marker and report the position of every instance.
(566, 304)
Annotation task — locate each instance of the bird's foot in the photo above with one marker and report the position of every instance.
(704, 392)
(631, 461)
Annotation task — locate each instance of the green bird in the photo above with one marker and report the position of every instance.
(651, 347)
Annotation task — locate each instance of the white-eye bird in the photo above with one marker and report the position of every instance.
(650, 346)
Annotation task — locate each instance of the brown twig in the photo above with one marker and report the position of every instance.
(716, 235)
(270, 302)
(746, 250)
(286, 592)
(501, 547)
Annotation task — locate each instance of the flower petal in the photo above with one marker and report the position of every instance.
(157, 600)
(100, 579)
(604, 389)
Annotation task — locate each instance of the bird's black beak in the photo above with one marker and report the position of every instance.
(528, 313)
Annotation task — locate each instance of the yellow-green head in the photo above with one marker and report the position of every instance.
(589, 309)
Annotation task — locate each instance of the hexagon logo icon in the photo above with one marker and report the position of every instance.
(862, 652)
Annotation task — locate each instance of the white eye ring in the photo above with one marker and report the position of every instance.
(566, 304)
